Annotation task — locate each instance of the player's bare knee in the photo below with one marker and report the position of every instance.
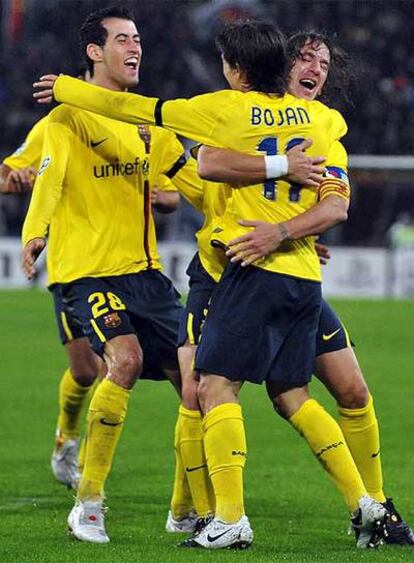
(126, 367)
(280, 407)
(214, 390)
(356, 396)
(85, 376)
(189, 394)
(287, 400)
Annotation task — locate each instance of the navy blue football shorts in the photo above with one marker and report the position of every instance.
(69, 326)
(202, 286)
(261, 326)
(145, 304)
(332, 335)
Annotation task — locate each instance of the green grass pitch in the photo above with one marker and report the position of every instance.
(296, 513)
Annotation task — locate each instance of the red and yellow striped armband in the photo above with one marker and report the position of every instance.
(332, 186)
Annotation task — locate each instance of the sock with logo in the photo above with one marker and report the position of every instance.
(181, 501)
(72, 398)
(360, 428)
(225, 448)
(191, 448)
(327, 442)
(105, 421)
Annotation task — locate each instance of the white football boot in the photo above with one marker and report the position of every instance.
(369, 522)
(185, 525)
(219, 535)
(86, 522)
(64, 463)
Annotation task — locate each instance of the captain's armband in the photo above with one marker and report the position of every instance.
(335, 182)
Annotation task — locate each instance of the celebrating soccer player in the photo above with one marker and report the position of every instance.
(317, 65)
(93, 197)
(262, 321)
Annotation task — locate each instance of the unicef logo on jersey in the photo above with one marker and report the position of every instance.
(46, 161)
(118, 168)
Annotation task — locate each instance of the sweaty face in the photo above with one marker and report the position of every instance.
(121, 54)
(310, 71)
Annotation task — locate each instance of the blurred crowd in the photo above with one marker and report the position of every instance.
(180, 59)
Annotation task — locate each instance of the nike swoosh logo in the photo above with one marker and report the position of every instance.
(106, 423)
(96, 143)
(376, 455)
(214, 538)
(190, 469)
(326, 337)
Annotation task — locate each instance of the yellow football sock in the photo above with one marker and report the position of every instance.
(327, 442)
(82, 454)
(72, 397)
(105, 421)
(83, 444)
(181, 501)
(360, 428)
(191, 448)
(225, 448)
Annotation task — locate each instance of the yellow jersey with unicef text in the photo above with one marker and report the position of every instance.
(92, 195)
(248, 122)
(30, 151)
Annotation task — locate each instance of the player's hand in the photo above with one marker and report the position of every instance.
(323, 253)
(44, 95)
(304, 169)
(154, 194)
(30, 254)
(164, 202)
(20, 181)
(257, 243)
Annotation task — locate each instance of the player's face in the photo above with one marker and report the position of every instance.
(122, 52)
(310, 71)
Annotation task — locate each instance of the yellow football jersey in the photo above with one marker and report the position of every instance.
(249, 122)
(189, 184)
(92, 195)
(30, 152)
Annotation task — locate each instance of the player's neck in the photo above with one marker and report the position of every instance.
(106, 82)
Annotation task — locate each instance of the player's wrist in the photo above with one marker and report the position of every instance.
(284, 232)
(276, 165)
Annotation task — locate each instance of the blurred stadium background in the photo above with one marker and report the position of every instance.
(373, 253)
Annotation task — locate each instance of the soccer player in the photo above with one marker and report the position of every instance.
(278, 300)
(17, 175)
(189, 442)
(92, 196)
(315, 58)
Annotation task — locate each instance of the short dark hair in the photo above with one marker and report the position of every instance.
(259, 49)
(339, 76)
(92, 30)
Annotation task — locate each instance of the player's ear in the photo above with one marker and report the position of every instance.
(94, 52)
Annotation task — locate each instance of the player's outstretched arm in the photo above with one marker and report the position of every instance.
(266, 238)
(223, 165)
(194, 118)
(131, 108)
(31, 252)
(16, 181)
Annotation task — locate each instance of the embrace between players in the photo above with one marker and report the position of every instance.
(257, 271)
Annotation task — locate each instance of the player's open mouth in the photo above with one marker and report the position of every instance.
(131, 62)
(308, 83)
